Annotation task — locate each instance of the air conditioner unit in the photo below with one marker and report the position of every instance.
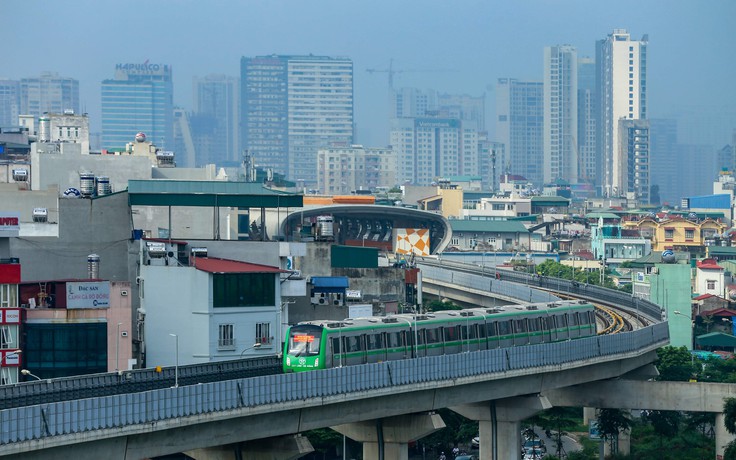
(655, 270)
(322, 301)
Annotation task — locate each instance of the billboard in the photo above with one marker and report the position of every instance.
(91, 294)
(411, 241)
(9, 224)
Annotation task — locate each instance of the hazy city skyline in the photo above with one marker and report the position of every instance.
(689, 74)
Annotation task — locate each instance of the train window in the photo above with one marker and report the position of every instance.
(533, 324)
(591, 317)
(305, 341)
(545, 323)
(473, 331)
(573, 319)
(352, 344)
(504, 327)
(336, 348)
(481, 330)
(561, 321)
(394, 339)
(519, 325)
(451, 333)
(375, 342)
(420, 337)
(491, 329)
(434, 335)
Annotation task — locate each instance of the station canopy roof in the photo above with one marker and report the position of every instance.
(209, 193)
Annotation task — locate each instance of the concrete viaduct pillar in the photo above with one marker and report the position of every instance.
(282, 447)
(389, 438)
(723, 437)
(500, 424)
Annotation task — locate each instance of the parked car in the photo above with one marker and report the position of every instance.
(531, 453)
(534, 444)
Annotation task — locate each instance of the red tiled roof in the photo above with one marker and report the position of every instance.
(215, 265)
(709, 264)
(704, 296)
(719, 312)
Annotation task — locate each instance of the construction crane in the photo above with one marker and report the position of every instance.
(391, 72)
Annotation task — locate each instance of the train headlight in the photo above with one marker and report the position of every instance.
(316, 362)
(288, 361)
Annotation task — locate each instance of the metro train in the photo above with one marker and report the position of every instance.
(325, 344)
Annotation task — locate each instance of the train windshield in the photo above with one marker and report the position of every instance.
(305, 340)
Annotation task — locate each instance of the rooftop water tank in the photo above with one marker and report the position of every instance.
(103, 186)
(93, 266)
(87, 184)
(40, 214)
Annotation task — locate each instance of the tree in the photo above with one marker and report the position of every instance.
(556, 421)
(675, 364)
(729, 419)
(611, 422)
(665, 423)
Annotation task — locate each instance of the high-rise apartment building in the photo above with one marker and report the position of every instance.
(216, 119)
(587, 114)
(621, 82)
(491, 160)
(340, 171)
(9, 102)
(560, 114)
(49, 93)
(291, 107)
(412, 102)
(520, 126)
(139, 99)
(634, 151)
(428, 148)
(463, 107)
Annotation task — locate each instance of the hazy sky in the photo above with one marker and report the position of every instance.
(692, 44)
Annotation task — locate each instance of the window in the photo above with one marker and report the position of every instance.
(243, 290)
(8, 295)
(433, 335)
(226, 337)
(375, 342)
(669, 233)
(711, 284)
(689, 233)
(263, 333)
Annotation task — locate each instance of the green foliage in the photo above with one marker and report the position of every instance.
(439, 305)
(559, 421)
(646, 443)
(729, 414)
(665, 423)
(457, 429)
(324, 439)
(674, 364)
(611, 422)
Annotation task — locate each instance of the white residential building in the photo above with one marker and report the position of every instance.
(621, 87)
(341, 171)
(428, 148)
(560, 114)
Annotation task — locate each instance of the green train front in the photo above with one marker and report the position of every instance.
(304, 350)
(325, 344)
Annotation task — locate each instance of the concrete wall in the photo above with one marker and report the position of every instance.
(15, 199)
(64, 169)
(100, 226)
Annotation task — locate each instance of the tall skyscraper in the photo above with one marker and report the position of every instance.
(9, 102)
(560, 114)
(139, 99)
(587, 114)
(291, 107)
(634, 151)
(344, 170)
(429, 148)
(621, 82)
(664, 169)
(48, 93)
(216, 118)
(520, 126)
